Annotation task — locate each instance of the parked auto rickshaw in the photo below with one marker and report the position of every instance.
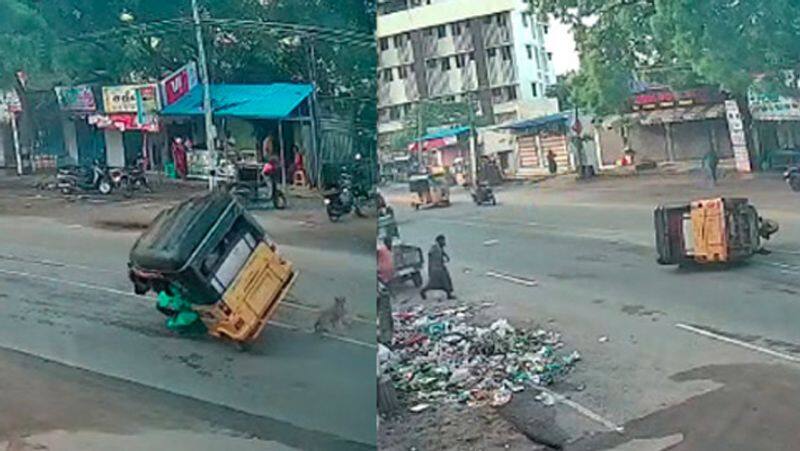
(213, 268)
(432, 191)
(720, 230)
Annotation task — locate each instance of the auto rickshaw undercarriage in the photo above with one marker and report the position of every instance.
(710, 231)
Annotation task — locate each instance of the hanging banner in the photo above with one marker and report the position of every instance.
(76, 98)
(179, 83)
(9, 104)
(738, 138)
(130, 98)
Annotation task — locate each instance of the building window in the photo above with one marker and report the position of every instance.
(384, 42)
(455, 29)
(501, 19)
(529, 48)
(398, 41)
(428, 32)
(525, 20)
(512, 93)
(431, 64)
(394, 113)
(549, 56)
(402, 72)
(446, 64)
(441, 31)
(491, 53)
(487, 20)
(534, 90)
(461, 61)
(472, 56)
(536, 54)
(387, 75)
(506, 53)
(546, 29)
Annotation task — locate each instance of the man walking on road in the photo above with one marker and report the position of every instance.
(438, 275)
(710, 162)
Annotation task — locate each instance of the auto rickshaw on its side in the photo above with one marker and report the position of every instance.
(432, 191)
(710, 231)
(213, 268)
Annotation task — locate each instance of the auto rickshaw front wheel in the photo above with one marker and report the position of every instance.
(279, 201)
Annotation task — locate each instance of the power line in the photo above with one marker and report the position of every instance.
(168, 26)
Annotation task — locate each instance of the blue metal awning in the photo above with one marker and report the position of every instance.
(540, 123)
(272, 101)
(446, 133)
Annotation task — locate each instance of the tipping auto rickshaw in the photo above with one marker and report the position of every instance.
(213, 268)
(431, 190)
(710, 231)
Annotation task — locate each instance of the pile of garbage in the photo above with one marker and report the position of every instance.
(440, 355)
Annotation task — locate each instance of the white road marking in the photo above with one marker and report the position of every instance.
(11, 257)
(513, 279)
(585, 411)
(733, 341)
(150, 300)
(491, 242)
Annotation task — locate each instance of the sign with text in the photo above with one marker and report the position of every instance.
(76, 98)
(179, 83)
(736, 127)
(131, 99)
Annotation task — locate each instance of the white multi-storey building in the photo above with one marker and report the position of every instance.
(489, 51)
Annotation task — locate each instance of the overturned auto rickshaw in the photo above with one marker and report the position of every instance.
(432, 191)
(710, 231)
(213, 268)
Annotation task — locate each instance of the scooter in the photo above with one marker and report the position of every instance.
(95, 178)
(483, 194)
(792, 177)
(341, 201)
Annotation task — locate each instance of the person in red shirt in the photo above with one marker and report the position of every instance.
(385, 261)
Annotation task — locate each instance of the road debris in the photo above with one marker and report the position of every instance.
(603, 339)
(442, 355)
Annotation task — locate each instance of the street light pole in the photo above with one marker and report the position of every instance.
(211, 134)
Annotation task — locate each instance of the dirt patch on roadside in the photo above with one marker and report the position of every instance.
(121, 225)
(452, 427)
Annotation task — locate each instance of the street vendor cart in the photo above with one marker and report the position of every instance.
(431, 190)
(720, 230)
(213, 268)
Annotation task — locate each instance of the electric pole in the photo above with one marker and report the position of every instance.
(205, 81)
(473, 157)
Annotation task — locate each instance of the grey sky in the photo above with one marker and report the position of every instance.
(562, 44)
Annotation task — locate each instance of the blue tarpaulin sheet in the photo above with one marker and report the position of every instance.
(272, 101)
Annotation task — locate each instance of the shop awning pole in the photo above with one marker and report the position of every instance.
(283, 155)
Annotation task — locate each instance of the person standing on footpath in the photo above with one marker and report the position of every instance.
(438, 275)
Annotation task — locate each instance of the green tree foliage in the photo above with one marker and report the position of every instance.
(86, 40)
(677, 42)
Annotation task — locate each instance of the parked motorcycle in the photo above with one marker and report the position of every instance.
(341, 201)
(792, 177)
(137, 177)
(94, 178)
(483, 194)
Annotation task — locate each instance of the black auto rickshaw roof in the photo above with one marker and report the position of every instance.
(175, 234)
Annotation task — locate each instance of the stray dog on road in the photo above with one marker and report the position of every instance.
(333, 318)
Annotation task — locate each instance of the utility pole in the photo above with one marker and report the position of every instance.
(211, 134)
(473, 157)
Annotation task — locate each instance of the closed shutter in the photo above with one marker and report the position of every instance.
(558, 144)
(528, 154)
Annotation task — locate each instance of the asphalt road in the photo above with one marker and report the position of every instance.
(697, 360)
(64, 298)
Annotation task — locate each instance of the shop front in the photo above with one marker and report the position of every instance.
(254, 123)
(129, 122)
(83, 142)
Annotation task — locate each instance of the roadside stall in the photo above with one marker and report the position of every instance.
(254, 123)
